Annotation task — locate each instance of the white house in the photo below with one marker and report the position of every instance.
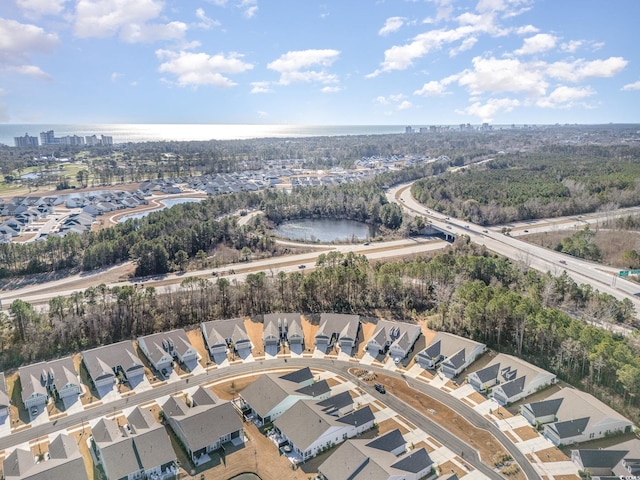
(220, 335)
(271, 395)
(309, 430)
(162, 348)
(337, 328)
(397, 338)
(41, 381)
(582, 417)
(383, 458)
(106, 364)
(453, 353)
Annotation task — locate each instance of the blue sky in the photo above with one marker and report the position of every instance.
(341, 62)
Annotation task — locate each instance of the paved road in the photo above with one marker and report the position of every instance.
(602, 278)
(438, 432)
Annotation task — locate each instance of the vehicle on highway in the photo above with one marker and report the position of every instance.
(485, 231)
(526, 231)
(302, 266)
(564, 262)
(379, 387)
(449, 227)
(366, 244)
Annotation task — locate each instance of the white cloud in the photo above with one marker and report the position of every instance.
(195, 69)
(392, 24)
(205, 22)
(28, 70)
(579, 70)
(431, 89)
(571, 46)
(632, 86)
(404, 105)
(330, 89)
(218, 3)
(537, 44)
(503, 75)
(526, 30)
(564, 96)
(487, 111)
(260, 87)
(129, 20)
(262, 113)
(397, 101)
(41, 7)
(18, 41)
(467, 44)
(115, 76)
(294, 66)
(249, 7)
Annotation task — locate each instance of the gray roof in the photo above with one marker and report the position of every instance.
(233, 328)
(315, 389)
(65, 463)
(102, 360)
(388, 442)
(578, 404)
(346, 326)
(456, 360)
(315, 422)
(514, 387)
(269, 390)
(451, 344)
(157, 342)
(298, 376)
(336, 402)
(204, 424)
(397, 333)
(414, 462)
(488, 373)
(545, 407)
(363, 460)
(600, 458)
(292, 322)
(570, 428)
(34, 378)
(432, 351)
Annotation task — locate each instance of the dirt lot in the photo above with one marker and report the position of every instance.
(526, 433)
(195, 338)
(483, 441)
(367, 329)
(254, 330)
(309, 331)
(612, 244)
(551, 455)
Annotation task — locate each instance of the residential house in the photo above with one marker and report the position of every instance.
(57, 378)
(337, 329)
(5, 401)
(512, 380)
(383, 458)
(220, 335)
(581, 417)
(337, 405)
(64, 463)
(271, 395)
(397, 338)
(544, 411)
(117, 361)
(162, 348)
(287, 327)
(598, 463)
(309, 430)
(451, 352)
(205, 425)
(140, 449)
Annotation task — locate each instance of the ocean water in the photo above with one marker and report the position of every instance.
(125, 133)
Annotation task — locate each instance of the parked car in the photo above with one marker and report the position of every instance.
(302, 266)
(379, 387)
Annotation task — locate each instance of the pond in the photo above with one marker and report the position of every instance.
(325, 230)
(166, 203)
(246, 476)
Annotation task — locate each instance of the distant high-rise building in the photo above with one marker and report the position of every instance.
(71, 140)
(408, 130)
(48, 138)
(91, 140)
(26, 141)
(424, 129)
(107, 140)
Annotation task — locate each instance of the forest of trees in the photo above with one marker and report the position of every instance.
(555, 180)
(466, 290)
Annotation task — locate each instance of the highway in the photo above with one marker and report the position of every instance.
(440, 433)
(602, 278)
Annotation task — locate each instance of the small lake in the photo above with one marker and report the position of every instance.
(325, 230)
(167, 203)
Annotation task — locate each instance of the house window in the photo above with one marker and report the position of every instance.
(592, 435)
